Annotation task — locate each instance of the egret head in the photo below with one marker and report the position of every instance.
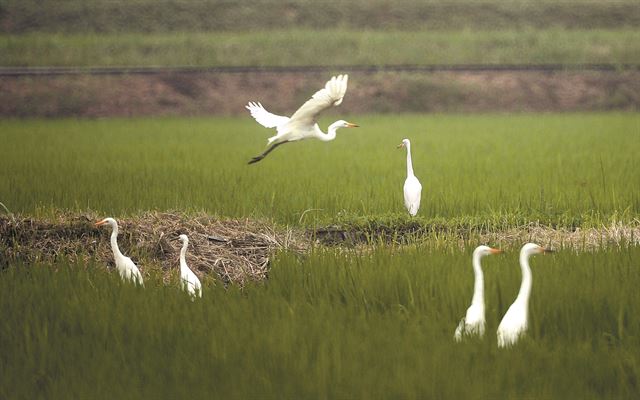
(344, 124)
(532, 248)
(109, 221)
(405, 143)
(485, 251)
(183, 238)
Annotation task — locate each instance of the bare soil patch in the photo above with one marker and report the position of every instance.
(208, 93)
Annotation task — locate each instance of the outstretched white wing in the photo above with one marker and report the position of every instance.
(264, 117)
(330, 95)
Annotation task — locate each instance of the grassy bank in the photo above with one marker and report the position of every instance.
(564, 169)
(19, 16)
(326, 47)
(331, 325)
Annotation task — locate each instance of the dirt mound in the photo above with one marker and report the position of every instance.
(238, 251)
(402, 233)
(205, 93)
(389, 233)
(234, 251)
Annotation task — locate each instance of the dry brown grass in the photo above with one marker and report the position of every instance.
(238, 251)
(615, 234)
(230, 250)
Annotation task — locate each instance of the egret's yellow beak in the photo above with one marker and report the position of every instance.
(495, 251)
(350, 125)
(401, 145)
(547, 250)
(101, 222)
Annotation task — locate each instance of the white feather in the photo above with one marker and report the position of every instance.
(412, 193)
(331, 95)
(412, 188)
(264, 117)
(515, 322)
(303, 123)
(190, 281)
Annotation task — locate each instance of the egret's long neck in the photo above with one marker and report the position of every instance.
(525, 286)
(478, 285)
(114, 241)
(331, 132)
(409, 163)
(183, 256)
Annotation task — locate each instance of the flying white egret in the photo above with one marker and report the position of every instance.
(473, 321)
(190, 281)
(514, 323)
(303, 124)
(124, 265)
(412, 186)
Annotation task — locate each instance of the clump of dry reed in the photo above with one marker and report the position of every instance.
(234, 251)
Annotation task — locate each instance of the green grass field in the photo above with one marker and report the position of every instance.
(369, 321)
(332, 47)
(330, 325)
(563, 170)
(334, 323)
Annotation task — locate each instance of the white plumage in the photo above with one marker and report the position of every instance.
(303, 124)
(515, 321)
(474, 320)
(190, 281)
(126, 268)
(412, 188)
(264, 117)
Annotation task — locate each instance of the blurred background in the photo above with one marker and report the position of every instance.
(92, 58)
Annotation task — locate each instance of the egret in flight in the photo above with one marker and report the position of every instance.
(412, 186)
(473, 322)
(190, 281)
(126, 268)
(514, 323)
(303, 124)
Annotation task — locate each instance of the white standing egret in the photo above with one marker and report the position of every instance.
(515, 320)
(474, 320)
(412, 186)
(126, 268)
(190, 281)
(303, 124)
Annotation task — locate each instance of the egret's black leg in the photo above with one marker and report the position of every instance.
(263, 155)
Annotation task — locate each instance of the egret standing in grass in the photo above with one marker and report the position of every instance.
(126, 268)
(303, 124)
(412, 186)
(474, 320)
(190, 281)
(515, 321)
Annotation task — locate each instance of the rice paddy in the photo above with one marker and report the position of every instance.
(367, 322)
(329, 325)
(316, 282)
(562, 170)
